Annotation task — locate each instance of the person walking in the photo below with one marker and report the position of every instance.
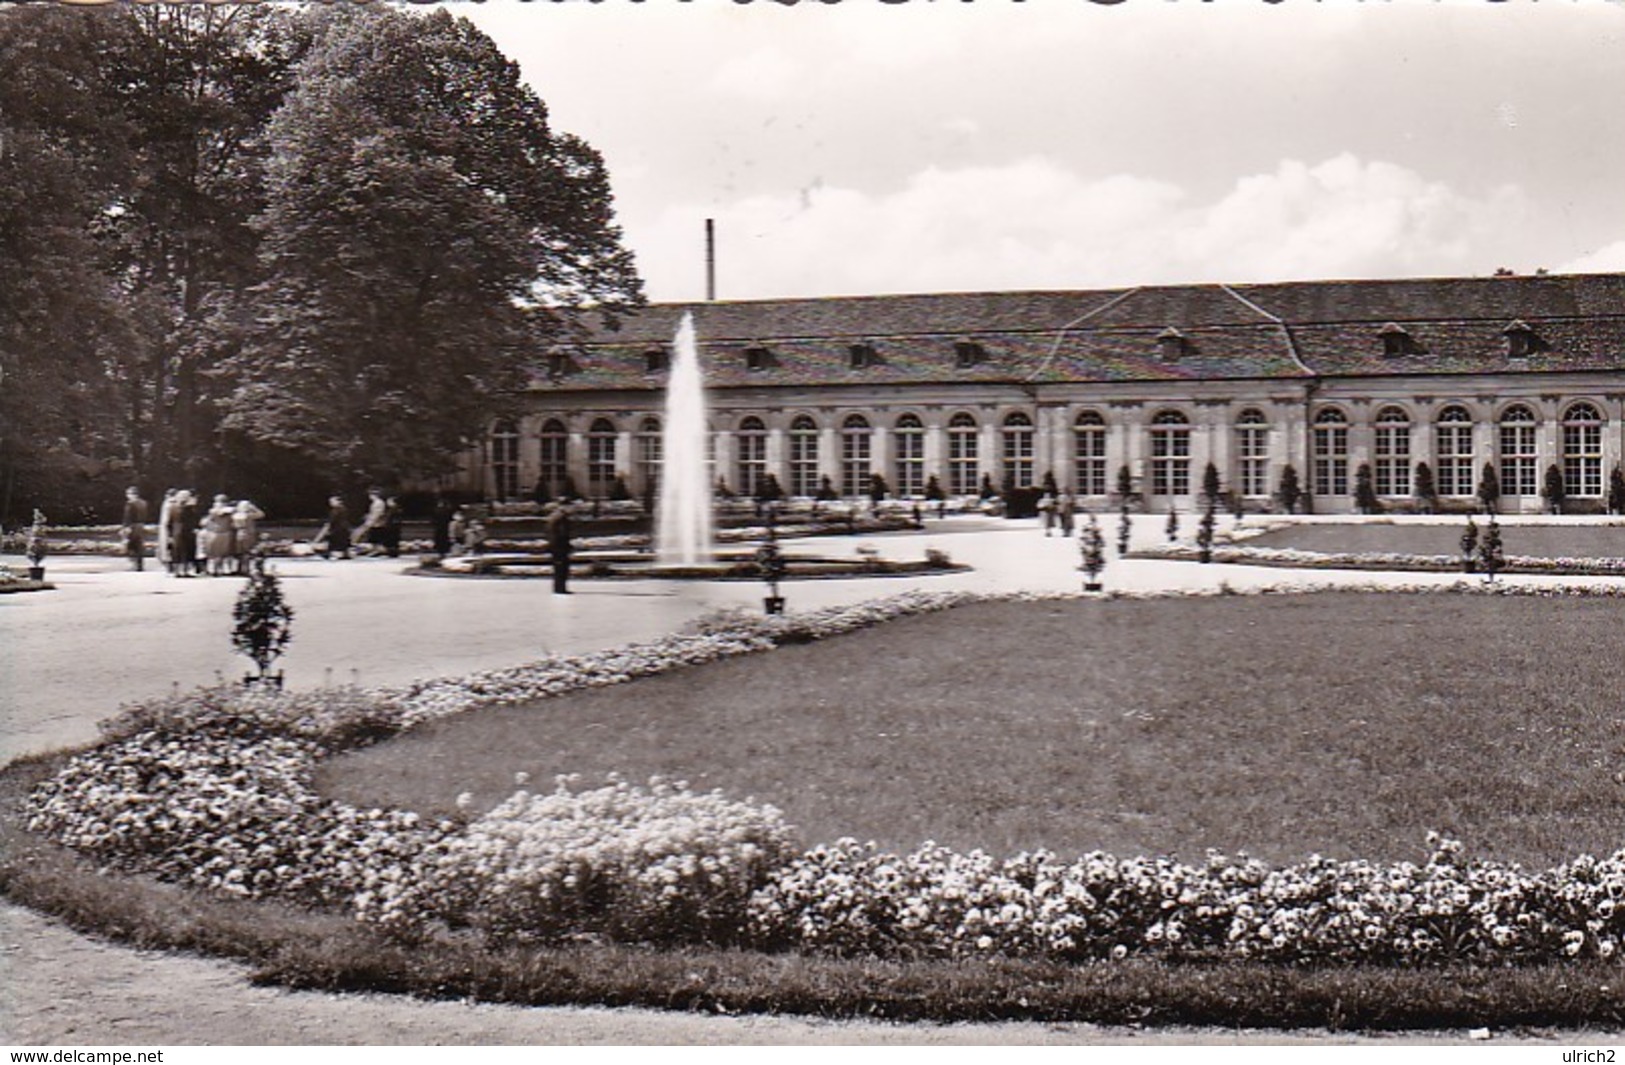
(390, 527)
(370, 533)
(334, 537)
(183, 522)
(1067, 509)
(245, 519)
(135, 528)
(440, 523)
(559, 547)
(1046, 511)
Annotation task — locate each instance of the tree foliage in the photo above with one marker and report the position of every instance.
(240, 233)
(425, 237)
(63, 159)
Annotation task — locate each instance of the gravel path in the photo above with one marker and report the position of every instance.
(107, 635)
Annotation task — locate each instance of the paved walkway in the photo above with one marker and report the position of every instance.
(108, 635)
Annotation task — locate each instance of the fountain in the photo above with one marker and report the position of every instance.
(683, 513)
(684, 544)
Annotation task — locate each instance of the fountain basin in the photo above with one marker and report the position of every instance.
(723, 566)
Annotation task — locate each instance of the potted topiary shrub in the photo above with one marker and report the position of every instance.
(35, 549)
(264, 622)
(1290, 492)
(771, 565)
(1093, 546)
(1491, 557)
(1469, 546)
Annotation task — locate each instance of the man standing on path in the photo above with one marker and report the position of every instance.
(135, 528)
(558, 546)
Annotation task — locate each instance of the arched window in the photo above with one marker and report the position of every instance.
(964, 458)
(1392, 465)
(908, 449)
(1582, 450)
(1331, 453)
(1089, 454)
(649, 445)
(750, 456)
(857, 440)
(600, 458)
(1018, 450)
(1520, 474)
(1252, 452)
(803, 456)
(1170, 454)
(1453, 451)
(504, 460)
(555, 456)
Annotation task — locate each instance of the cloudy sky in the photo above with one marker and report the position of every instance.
(934, 146)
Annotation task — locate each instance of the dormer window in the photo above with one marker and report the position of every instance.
(968, 353)
(1172, 344)
(758, 358)
(656, 360)
(559, 364)
(1396, 341)
(1522, 341)
(860, 356)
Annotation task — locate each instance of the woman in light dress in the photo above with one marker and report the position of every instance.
(165, 509)
(245, 518)
(218, 536)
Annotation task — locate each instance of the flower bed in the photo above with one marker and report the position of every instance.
(213, 789)
(1294, 558)
(12, 581)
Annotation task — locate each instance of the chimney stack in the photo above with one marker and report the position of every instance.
(710, 260)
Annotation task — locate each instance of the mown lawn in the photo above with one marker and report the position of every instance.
(1534, 541)
(1343, 724)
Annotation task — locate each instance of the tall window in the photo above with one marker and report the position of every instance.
(1170, 454)
(1453, 448)
(504, 460)
(963, 455)
(803, 456)
(555, 456)
(1089, 454)
(1582, 451)
(1018, 450)
(750, 456)
(1331, 445)
(856, 444)
(908, 445)
(1392, 468)
(600, 458)
(1519, 472)
(1252, 453)
(649, 445)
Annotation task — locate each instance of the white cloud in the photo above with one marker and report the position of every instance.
(1036, 224)
(761, 73)
(1606, 259)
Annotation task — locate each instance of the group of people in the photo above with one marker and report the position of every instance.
(193, 539)
(1058, 512)
(378, 533)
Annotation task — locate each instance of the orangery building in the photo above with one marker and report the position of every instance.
(1523, 374)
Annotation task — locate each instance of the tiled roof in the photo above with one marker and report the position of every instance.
(1241, 331)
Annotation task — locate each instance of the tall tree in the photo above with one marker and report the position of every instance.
(62, 160)
(197, 84)
(426, 236)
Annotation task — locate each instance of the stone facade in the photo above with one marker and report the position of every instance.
(1522, 373)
